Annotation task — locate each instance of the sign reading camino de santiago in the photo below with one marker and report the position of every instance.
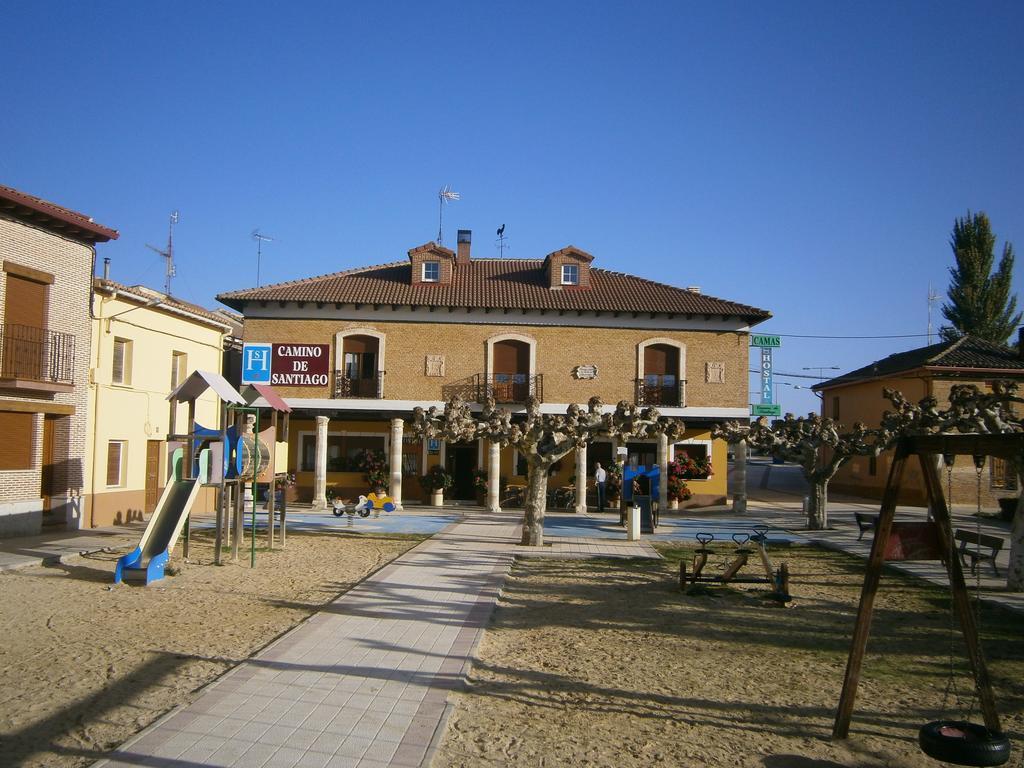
(301, 365)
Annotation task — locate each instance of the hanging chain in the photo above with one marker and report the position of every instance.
(951, 687)
(979, 466)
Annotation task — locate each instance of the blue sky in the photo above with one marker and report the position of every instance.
(807, 158)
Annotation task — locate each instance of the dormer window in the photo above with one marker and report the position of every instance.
(431, 271)
(570, 274)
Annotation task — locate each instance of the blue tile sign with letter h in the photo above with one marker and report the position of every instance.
(256, 359)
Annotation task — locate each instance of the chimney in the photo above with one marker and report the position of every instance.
(106, 267)
(462, 252)
(693, 288)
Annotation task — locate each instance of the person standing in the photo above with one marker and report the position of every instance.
(600, 477)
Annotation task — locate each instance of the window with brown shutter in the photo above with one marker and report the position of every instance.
(121, 372)
(18, 430)
(179, 366)
(115, 459)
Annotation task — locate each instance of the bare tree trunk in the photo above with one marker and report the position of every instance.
(739, 493)
(535, 506)
(817, 507)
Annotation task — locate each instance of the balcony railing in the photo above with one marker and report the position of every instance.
(36, 354)
(372, 387)
(661, 390)
(508, 387)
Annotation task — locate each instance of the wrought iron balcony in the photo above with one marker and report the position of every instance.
(661, 390)
(371, 387)
(29, 354)
(508, 387)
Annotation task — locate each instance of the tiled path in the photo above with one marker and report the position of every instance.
(362, 683)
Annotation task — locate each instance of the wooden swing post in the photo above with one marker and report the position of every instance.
(926, 447)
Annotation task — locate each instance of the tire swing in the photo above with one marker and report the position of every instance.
(962, 742)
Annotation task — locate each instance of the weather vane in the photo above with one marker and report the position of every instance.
(502, 245)
(444, 195)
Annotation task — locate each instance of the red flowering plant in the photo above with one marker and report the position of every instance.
(676, 485)
(374, 466)
(694, 469)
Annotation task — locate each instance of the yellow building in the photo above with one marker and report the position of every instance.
(144, 344)
(918, 373)
(354, 352)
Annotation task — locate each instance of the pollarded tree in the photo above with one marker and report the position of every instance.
(980, 303)
(971, 411)
(541, 438)
(804, 441)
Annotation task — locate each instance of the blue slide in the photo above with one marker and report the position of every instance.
(147, 561)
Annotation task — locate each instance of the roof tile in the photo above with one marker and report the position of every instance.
(488, 283)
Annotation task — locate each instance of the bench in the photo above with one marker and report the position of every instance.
(866, 522)
(981, 541)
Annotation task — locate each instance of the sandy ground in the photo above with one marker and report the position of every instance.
(85, 664)
(608, 664)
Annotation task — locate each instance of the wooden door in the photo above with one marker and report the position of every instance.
(511, 371)
(48, 469)
(153, 448)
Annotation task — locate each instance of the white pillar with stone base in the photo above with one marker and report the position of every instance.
(320, 467)
(662, 472)
(494, 477)
(581, 480)
(395, 491)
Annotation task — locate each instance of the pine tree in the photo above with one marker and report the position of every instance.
(980, 303)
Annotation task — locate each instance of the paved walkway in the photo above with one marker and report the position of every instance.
(364, 682)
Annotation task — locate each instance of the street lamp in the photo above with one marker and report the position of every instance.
(154, 301)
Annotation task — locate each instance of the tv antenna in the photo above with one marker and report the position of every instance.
(260, 239)
(168, 254)
(444, 195)
(932, 298)
(502, 245)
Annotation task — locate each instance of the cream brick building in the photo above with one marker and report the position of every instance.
(47, 255)
(354, 352)
(144, 344)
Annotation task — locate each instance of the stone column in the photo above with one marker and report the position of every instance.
(494, 477)
(395, 491)
(320, 468)
(581, 480)
(662, 472)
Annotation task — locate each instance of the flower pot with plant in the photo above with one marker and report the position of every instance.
(436, 481)
(374, 466)
(480, 485)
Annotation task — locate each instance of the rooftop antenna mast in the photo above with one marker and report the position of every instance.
(502, 245)
(168, 254)
(260, 239)
(444, 195)
(932, 298)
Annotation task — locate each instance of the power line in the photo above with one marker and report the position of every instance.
(808, 336)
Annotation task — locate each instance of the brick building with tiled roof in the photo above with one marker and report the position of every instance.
(356, 350)
(918, 373)
(46, 264)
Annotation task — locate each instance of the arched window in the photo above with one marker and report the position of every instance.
(511, 361)
(661, 373)
(359, 363)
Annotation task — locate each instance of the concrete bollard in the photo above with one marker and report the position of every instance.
(633, 524)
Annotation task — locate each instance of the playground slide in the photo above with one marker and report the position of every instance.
(146, 562)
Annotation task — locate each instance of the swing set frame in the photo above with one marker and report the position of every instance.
(926, 448)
